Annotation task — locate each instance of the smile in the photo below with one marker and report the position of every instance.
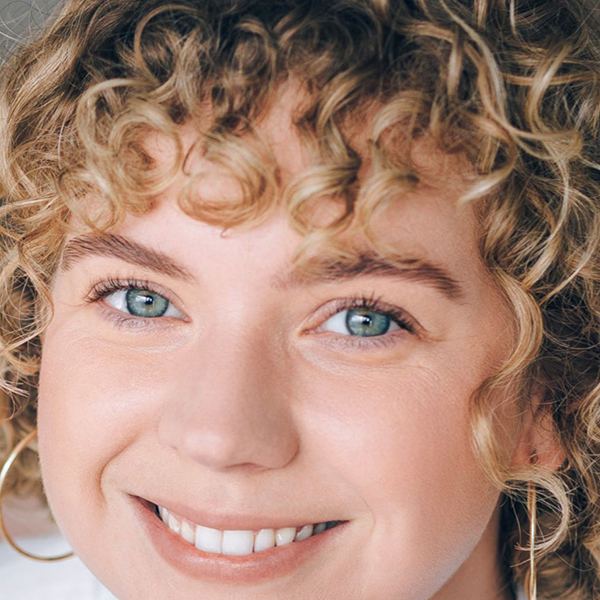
(237, 556)
(238, 542)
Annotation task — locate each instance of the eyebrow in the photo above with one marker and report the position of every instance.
(368, 262)
(364, 263)
(117, 246)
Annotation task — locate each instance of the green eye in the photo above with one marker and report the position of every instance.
(137, 301)
(144, 303)
(365, 322)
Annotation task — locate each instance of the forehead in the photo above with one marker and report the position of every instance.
(277, 138)
(429, 242)
(421, 225)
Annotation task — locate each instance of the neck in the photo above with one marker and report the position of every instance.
(480, 576)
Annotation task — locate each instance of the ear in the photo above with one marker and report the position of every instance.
(539, 441)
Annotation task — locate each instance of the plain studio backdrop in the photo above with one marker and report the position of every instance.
(19, 18)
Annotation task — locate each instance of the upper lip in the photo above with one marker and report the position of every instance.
(230, 521)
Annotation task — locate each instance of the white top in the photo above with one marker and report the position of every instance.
(67, 579)
(25, 579)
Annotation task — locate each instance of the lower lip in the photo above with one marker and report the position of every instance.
(253, 568)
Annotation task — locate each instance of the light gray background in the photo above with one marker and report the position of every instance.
(20, 18)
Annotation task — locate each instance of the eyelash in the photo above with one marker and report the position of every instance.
(106, 287)
(375, 304)
(103, 288)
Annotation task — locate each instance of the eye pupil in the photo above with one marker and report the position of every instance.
(366, 322)
(144, 303)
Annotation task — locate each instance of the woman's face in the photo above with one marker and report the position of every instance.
(230, 394)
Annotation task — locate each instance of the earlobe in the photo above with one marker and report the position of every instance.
(539, 442)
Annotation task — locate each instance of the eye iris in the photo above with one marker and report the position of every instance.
(366, 322)
(143, 303)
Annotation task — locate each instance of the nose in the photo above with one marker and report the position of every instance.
(232, 405)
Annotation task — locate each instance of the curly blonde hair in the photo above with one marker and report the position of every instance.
(513, 86)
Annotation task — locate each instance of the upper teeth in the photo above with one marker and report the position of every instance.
(236, 542)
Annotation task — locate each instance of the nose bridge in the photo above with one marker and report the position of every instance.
(234, 407)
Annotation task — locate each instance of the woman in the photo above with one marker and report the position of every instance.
(301, 299)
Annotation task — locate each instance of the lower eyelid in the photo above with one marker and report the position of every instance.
(131, 323)
(356, 342)
(121, 320)
(366, 343)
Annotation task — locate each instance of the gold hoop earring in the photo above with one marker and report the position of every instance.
(3, 474)
(531, 507)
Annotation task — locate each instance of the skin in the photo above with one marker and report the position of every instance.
(285, 419)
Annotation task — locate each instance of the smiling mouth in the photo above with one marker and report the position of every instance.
(239, 542)
(242, 556)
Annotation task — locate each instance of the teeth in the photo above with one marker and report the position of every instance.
(188, 533)
(209, 540)
(237, 542)
(174, 524)
(264, 540)
(304, 533)
(285, 535)
(320, 528)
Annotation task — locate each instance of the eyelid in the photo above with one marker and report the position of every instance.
(370, 302)
(106, 286)
(408, 326)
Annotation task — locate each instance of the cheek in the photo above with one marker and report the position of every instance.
(90, 408)
(411, 431)
(403, 447)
